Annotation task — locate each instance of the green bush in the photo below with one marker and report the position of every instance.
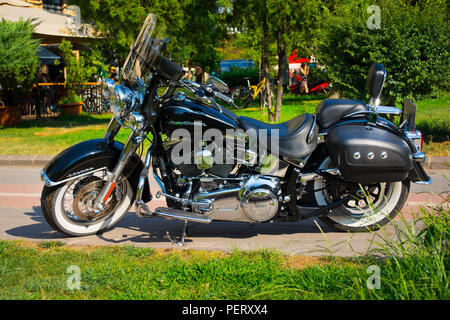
(76, 73)
(18, 59)
(412, 43)
(317, 74)
(235, 76)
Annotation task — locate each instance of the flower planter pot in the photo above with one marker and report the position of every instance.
(72, 109)
(9, 116)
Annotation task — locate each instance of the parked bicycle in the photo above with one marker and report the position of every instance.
(93, 99)
(244, 96)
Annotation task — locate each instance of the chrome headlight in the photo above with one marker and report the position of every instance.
(124, 102)
(121, 99)
(107, 87)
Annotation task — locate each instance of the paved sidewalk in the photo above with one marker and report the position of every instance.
(303, 237)
(21, 218)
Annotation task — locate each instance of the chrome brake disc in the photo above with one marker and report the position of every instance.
(83, 203)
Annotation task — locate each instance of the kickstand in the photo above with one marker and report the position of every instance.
(183, 235)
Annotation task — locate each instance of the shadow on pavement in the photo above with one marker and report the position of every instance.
(152, 230)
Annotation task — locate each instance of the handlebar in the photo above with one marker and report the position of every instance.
(208, 90)
(223, 97)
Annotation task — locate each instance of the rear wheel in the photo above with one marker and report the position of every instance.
(68, 208)
(241, 97)
(375, 205)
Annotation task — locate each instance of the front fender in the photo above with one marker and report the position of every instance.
(90, 155)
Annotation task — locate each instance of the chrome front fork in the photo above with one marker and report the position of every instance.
(133, 142)
(112, 130)
(141, 208)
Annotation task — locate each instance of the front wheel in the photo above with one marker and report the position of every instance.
(375, 205)
(68, 208)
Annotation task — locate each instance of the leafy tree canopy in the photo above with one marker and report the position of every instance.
(18, 59)
(193, 26)
(412, 43)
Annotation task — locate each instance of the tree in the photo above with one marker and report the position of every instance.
(412, 43)
(117, 22)
(18, 59)
(284, 23)
(194, 27)
(195, 35)
(289, 22)
(76, 73)
(253, 20)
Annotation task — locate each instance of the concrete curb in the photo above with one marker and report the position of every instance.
(433, 162)
(24, 160)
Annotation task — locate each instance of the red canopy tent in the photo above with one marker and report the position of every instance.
(294, 59)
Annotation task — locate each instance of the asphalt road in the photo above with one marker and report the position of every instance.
(21, 218)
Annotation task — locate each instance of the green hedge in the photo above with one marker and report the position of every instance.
(235, 76)
(18, 59)
(412, 43)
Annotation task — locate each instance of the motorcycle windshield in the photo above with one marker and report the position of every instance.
(143, 53)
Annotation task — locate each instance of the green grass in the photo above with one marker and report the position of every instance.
(415, 265)
(50, 136)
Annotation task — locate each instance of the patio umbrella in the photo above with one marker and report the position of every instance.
(50, 23)
(46, 56)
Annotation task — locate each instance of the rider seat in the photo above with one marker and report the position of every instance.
(293, 140)
(331, 111)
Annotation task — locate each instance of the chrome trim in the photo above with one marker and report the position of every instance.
(112, 130)
(299, 162)
(388, 110)
(429, 181)
(158, 180)
(316, 175)
(321, 137)
(49, 183)
(409, 115)
(204, 205)
(416, 137)
(142, 209)
(213, 178)
(180, 96)
(357, 113)
(419, 156)
(128, 151)
(216, 193)
(413, 134)
(182, 215)
(309, 137)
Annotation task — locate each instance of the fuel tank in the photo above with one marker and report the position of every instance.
(197, 117)
(187, 113)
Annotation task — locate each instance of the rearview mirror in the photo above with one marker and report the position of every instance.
(218, 84)
(375, 81)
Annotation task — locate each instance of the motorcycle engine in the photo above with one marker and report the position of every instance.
(253, 199)
(209, 158)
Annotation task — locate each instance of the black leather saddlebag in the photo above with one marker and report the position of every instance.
(367, 154)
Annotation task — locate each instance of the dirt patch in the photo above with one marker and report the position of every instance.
(49, 131)
(302, 262)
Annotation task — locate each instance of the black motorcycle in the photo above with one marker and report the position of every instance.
(345, 164)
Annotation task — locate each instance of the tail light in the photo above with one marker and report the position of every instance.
(416, 137)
